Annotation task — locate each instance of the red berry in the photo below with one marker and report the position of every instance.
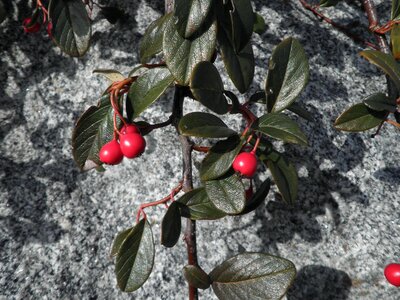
(392, 274)
(246, 164)
(132, 144)
(32, 28)
(130, 128)
(49, 29)
(110, 153)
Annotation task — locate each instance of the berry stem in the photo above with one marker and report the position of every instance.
(164, 200)
(199, 148)
(256, 145)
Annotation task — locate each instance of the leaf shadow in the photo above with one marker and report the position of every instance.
(316, 282)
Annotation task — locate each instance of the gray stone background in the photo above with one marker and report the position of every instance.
(57, 224)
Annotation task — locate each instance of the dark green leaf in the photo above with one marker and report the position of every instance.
(152, 41)
(300, 111)
(258, 197)
(199, 206)
(148, 88)
(253, 276)
(237, 20)
(328, 3)
(281, 127)
(182, 55)
(196, 277)
(207, 87)
(119, 239)
(386, 62)
(137, 70)
(239, 65)
(71, 26)
(288, 73)
(227, 194)
(94, 129)
(359, 118)
(395, 15)
(3, 13)
(284, 174)
(259, 24)
(190, 15)
(380, 102)
(135, 258)
(235, 104)
(171, 225)
(204, 125)
(111, 13)
(220, 158)
(112, 75)
(258, 97)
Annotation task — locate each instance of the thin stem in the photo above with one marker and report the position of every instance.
(199, 148)
(393, 123)
(187, 184)
(338, 26)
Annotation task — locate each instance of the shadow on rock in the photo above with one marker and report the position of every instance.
(315, 282)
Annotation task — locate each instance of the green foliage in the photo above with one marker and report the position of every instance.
(119, 239)
(93, 129)
(171, 225)
(258, 198)
(148, 88)
(328, 3)
(207, 87)
(252, 276)
(380, 102)
(359, 118)
(227, 193)
(152, 42)
(71, 26)
(220, 158)
(280, 126)
(198, 206)
(395, 15)
(135, 258)
(190, 15)
(259, 26)
(196, 277)
(204, 125)
(288, 73)
(111, 75)
(182, 55)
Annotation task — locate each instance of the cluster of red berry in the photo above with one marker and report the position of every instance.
(33, 24)
(131, 144)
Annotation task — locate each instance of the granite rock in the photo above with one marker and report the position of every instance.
(57, 224)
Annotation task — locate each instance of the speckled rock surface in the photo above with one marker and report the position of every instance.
(57, 224)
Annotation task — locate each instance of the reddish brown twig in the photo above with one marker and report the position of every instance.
(199, 148)
(340, 27)
(393, 123)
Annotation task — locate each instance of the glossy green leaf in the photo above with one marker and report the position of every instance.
(395, 41)
(284, 174)
(259, 26)
(239, 65)
(380, 102)
(288, 73)
(196, 277)
(204, 125)
(386, 62)
(199, 206)
(112, 75)
(135, 258)
(395, 15)
(171, 225)
(182, 55)
(118, 241)
(71, 29)
(190, 15)
(152, 41)
(258, 97)
(253, 276)
(137, 70)
(328, 3)
(227, 194)
(148, 88)
(94, 129)
(359, 118)
(280, 126)
(300, 111)
(3, 13)
(220, 158)
(207, 87)
(236, 19)
(258, 198)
